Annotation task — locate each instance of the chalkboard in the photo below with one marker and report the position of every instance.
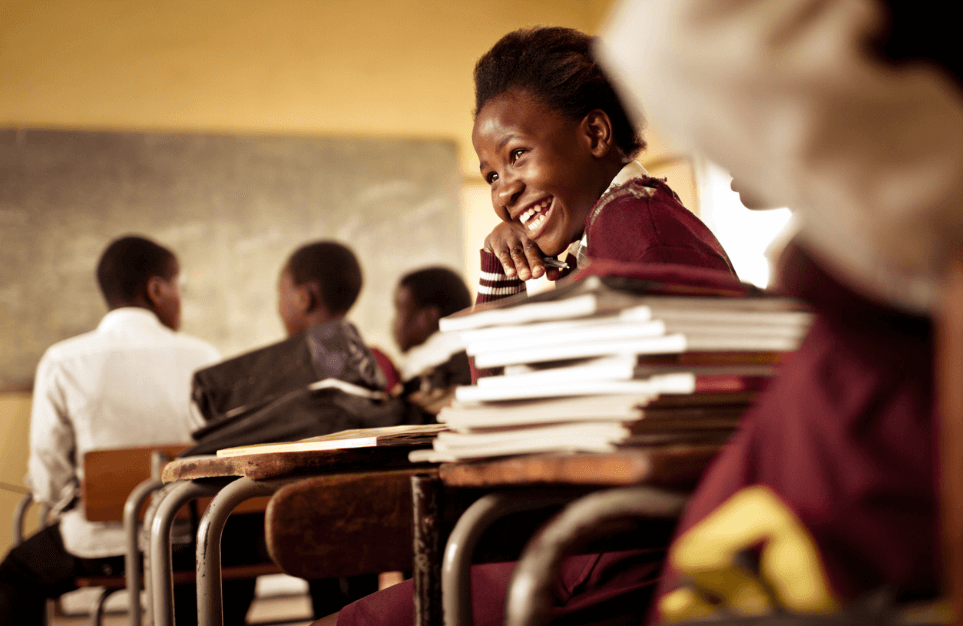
(231, 207)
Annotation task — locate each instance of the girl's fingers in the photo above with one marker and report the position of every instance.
(521, 262)
(533, 256)
(505, 258)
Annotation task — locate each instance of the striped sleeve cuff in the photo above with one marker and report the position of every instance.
(493, 283)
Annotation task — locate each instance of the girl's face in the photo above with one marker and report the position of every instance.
(540, 166)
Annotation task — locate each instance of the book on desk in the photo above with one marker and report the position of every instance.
(602, 364)
(406, 435)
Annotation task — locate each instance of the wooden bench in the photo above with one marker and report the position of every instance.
(110, 476)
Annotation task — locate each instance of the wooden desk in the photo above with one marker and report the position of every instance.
(299, 478)
(527, 483)
(286, 464)
(677, 467)
(231, 481)
(343, 524)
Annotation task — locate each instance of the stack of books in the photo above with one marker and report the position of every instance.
(598, 365)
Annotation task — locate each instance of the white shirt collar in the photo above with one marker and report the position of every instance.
(632, 169)
(130, 316)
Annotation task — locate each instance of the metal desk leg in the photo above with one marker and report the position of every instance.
(132, 564)
(210, 609)
(144, 545)
(460, 549)
(530, 591)
(162, 585)
(426, 508)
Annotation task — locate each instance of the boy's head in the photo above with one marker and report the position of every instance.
(421, 299)
(135, 271)
(320, 282)
(555, 65)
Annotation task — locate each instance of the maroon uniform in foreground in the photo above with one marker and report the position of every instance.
(845, 437)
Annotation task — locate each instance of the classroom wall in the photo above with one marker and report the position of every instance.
(390, 68)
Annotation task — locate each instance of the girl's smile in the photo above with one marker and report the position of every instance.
(534, 218)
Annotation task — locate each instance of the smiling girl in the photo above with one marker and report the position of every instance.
(557, 148)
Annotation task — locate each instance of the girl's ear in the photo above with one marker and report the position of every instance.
(597, 130)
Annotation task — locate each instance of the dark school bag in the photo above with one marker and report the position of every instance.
(275, 393)
(256, 378)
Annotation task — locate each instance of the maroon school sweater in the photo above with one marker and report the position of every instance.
(641, 221)
(845, 437)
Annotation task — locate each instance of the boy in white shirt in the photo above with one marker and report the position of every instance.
(125, 384)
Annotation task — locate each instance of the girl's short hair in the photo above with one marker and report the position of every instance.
(556, 66)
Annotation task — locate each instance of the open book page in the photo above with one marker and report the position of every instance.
(404, 435)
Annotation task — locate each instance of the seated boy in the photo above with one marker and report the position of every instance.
(434, 363)
(124, 384)
(320, 283)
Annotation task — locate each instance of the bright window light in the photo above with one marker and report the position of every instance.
(743, 233)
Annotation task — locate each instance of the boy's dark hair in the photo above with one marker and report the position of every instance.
(437, 286)
(333, 267)
(556, 66)
(128, 264)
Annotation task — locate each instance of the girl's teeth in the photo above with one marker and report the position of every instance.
(527, 216)
(537, 223)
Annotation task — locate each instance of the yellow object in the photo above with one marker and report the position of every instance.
(791, 572)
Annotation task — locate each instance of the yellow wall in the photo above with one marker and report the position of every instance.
(14, 423)
(397, 68)
(389, 67)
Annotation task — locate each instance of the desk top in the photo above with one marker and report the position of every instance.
(281, 464)
(678, 466)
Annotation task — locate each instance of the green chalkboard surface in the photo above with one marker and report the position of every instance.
(232, 208)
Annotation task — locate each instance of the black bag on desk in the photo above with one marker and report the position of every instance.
(266, 396)
(256, 378)
(301, 414)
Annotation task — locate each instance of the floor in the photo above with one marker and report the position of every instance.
(278, 597)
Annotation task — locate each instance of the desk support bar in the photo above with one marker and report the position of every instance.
(426, 510)
(530, 591)
(210, 607)
(162, 583)
(464, 538)
(132, 560)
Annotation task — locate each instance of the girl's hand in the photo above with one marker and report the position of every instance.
(517, 253)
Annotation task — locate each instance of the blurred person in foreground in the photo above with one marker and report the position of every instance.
(850, 112)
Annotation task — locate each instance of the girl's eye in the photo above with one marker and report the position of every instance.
(516, 153)
(492, 177)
